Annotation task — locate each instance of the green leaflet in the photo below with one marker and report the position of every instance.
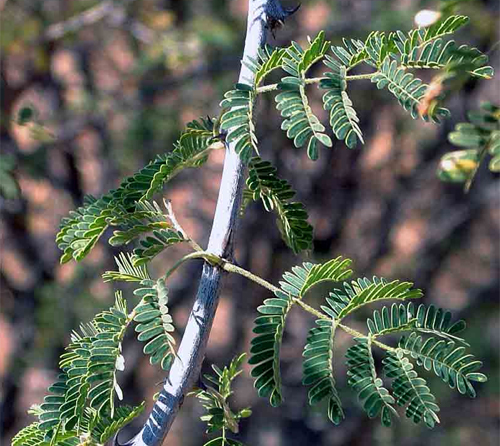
(409, 45)
(386, 321)
(275, 194)
(379, 46)
(363, 378)
(408, 89)
(265, 349)
(105, 428)
(343, 118)
(89, 368)
(51, 407)
(300, 123)
(238, 120)
(30, 436)
(83, 228)
(479, 137)
(406, 317)
(437, 54)
(33, 435)
(410, 390)
(154, 323)
(269, 60)
(450, 363)
(360, 292)
(318, 369)
(99, 428)
(351, 54)
(105, 357)
(127, 272)
(152, 245)
(269, 327)
(219, 415)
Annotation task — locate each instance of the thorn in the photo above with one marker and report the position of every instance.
(117, 443)
(291, 11)
(130, 442)
(276, 15)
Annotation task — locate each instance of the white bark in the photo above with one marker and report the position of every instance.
(186, 367)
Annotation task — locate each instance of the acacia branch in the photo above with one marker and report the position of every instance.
(187, 365)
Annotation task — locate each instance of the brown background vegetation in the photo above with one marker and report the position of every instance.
(115, 89)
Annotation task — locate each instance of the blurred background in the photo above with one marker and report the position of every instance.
(111, 84)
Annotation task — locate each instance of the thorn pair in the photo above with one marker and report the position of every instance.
(276, 15)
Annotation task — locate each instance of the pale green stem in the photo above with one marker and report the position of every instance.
(316, 80)
(358, 334)
(266, 88)
(178, 227)
(360, 77)
(231, 268)
(310, 309)
(210, 258)
(482, 154)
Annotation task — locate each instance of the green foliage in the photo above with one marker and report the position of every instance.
(50, 410)
(146, 218)
(343, 118)
(270, 326)
(436, 321)
(405, 317)
(191, 150)
(378, 47)
(300, 123)
(151, 246)
(32, 435)
(409, 389)
(424, 44)
(263, 183)
(393, 320)
(94, 430)
(84, 391)
(390, 54)
(343, 302)
(83, 228)
(363, 379)
(127, 272)
(155, 323)
(103, 429)
(238, 120)
(408, 89)
(450, 363)
(479, 137)
(318, 369)
(265, 349)
(438, 55)
(81, 408)
(351, 54)
(219, 415)
(270, 59)
(442, 27)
